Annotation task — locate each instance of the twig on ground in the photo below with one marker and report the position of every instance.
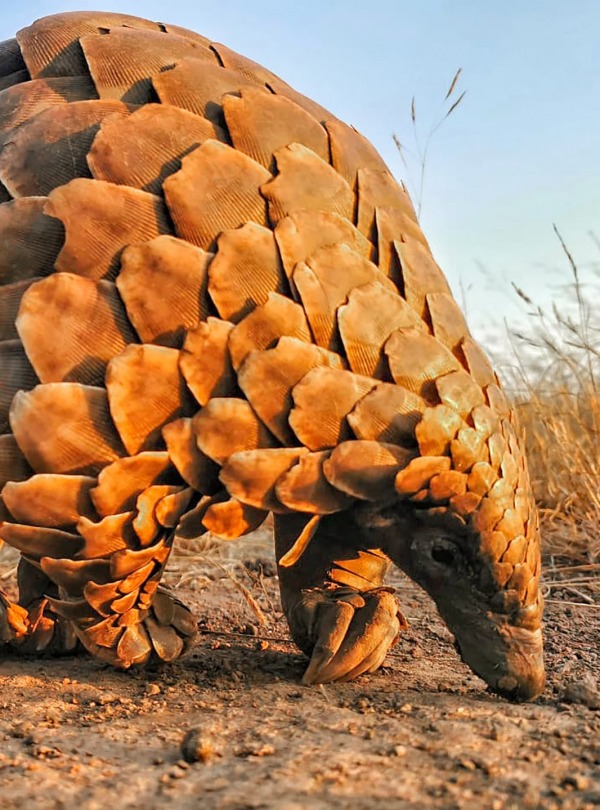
(252, 603)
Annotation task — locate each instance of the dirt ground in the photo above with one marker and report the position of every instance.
(421, 733)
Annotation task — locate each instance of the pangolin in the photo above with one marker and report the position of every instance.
(217, 304)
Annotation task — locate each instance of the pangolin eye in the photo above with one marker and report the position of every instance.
(443, 554)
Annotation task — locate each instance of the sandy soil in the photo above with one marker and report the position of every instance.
(421, 733)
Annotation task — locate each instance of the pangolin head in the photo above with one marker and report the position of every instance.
(466, 529)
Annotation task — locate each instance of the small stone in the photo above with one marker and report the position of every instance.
(583, 690)
(468, 764)
(266, 750)
(250, 629)
(22, 730)
(196, 746)
(576, 782)
(153, 689)
(398, 751)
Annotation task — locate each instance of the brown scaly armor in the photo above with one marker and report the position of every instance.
(217, 303)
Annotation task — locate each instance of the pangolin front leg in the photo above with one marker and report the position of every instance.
(338, 609)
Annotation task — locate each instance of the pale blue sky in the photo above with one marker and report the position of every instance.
(521, 152)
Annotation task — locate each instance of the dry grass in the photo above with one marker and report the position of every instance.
(556, 388)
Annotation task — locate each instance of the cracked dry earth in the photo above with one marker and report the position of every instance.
(420, 733)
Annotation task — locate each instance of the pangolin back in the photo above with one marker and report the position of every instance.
(217, 303)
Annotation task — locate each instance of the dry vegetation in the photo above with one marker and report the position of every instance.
(555, 385)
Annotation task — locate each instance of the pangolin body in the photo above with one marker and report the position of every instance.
(217, 303)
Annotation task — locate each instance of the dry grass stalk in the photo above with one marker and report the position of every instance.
(557, 393)
(421, 145)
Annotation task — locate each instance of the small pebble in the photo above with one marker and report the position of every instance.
(583, 690)
(196, 746)
(576, 782)
(250, 629)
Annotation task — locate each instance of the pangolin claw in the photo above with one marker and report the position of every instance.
(14, 622)
(350, 631)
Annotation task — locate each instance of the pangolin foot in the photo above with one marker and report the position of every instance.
(160, 632)
(347, 632)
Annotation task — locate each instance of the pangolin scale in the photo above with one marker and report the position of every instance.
(216, 304)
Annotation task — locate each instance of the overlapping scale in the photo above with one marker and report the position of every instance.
(227, 426)
(143, 149)
(146, 391)
(18, 77)
(378, 189)
(260, 123)
(51, 149)
(302, 233)
(199, 87)
(304, 181)
(37, 542)
(477, 363)
(31, 240)
(13, 464)
(65, 428)
(417, 359)
(145, 522)
(11, 58)
(304, 487)
(216, 189)
(17, 375)
(323, 398)
(50, 46)
(389, 414)
(53, 501)
(263, 327)
(180, 271)
(205, 361)
(194, 466)
(420, 274)
(245, 269)
(71, 327)
(268, 377)
(103, 537)
(251, 475)
(100, 219)
(22, 102)
(231, 519)
(447, 321)
(255, 73)
(372, 313)
(324, 283)
(351, 151)
(123, 61)
(120, 483)
(11, 296)
(366, 469)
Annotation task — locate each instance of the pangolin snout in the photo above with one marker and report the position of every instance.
(524, 676)
(510, 660)
(522, 688)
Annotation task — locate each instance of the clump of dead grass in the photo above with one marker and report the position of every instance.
(556, 390)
